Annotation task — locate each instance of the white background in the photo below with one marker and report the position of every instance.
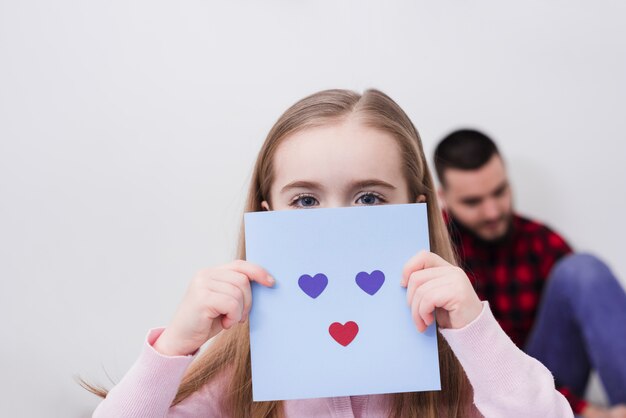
(128, 130)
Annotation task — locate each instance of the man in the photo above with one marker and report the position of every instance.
(566, 310)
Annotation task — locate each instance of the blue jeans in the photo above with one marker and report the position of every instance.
(581, 325)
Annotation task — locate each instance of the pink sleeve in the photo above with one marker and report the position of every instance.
(149, 387)
(506, 381)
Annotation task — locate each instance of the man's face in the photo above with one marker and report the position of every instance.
(480, 199)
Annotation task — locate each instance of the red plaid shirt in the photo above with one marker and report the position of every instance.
(511, 274)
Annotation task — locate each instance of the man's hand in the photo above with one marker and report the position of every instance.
(595, 411)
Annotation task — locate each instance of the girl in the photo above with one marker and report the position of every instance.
(335, 148)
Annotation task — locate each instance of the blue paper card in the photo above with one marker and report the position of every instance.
(336, 323)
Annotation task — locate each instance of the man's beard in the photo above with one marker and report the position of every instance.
(508, 218)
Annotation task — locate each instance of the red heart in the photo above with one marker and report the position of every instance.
(343, 334)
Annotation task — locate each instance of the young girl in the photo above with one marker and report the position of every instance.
(335, 148)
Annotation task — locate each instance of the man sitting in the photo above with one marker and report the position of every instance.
(567, 310)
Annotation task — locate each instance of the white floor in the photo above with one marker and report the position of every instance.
(595, 391)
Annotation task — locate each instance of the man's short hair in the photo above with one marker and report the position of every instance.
(465, 149)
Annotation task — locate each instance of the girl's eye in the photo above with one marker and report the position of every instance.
(370, 199)
(304, 201)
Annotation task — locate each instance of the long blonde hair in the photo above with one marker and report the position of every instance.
(230, 350)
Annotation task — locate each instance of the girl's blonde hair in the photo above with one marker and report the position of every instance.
(230, 350)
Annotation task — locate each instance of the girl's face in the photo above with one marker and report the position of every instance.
(342, 164)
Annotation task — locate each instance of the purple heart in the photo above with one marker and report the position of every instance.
(370, 282)
(313, 286)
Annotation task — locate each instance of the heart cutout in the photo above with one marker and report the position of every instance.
(313, 286)
(370, 283)
(343, 334)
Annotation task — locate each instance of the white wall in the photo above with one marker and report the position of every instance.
(128, 131)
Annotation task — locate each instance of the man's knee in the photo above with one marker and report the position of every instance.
(581, 270)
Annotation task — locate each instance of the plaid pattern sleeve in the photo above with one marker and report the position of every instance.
(511, 273)
(575, 402)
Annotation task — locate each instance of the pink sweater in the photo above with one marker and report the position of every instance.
(507, 383)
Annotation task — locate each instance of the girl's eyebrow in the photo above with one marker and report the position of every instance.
(301, 184)
(361, 184)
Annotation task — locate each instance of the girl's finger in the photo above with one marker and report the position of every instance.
(226, 305)
(422, 260)
(227, 323)
(417, 318)
(457, 300)
(242, 282)
(434, 298)
(418, 278)
(420, 293)
(230, 289)
(253, 271)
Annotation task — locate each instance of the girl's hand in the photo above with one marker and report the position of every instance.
(216, 299)
(434, 284)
